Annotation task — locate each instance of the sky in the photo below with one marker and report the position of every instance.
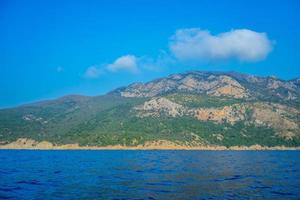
(53, 48)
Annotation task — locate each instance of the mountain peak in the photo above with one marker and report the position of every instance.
(228, 84)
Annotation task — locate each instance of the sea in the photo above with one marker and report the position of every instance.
(149, 174)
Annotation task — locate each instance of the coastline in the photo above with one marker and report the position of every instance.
(280, 148)
(28, 144)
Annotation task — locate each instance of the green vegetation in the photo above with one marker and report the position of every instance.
(102, 121)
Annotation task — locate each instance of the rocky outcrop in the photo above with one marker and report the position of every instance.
(158, 106)
(228, 114)
(228, 87)
(281, 118)
(214, 85)
(235, 85)
(276, 116)
(274, 83)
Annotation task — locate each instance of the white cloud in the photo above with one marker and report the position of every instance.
(192, 45)
(124, 63)
(242, 44)
(93, 72)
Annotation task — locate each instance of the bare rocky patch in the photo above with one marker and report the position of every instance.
(214, 85)
(228, 114)
(158, 106)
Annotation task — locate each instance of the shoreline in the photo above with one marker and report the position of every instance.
(29, 144)
(162, 148)
(153, 149)
(198, 148)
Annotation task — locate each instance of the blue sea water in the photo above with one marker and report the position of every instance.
(104, 174)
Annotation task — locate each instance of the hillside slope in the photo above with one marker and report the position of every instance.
(193, 108)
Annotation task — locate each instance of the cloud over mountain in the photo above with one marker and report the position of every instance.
(194, 45)
(242, 44)
(124, 63)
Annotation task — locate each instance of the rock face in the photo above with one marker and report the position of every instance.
(228, 87)
(234, 85)
(278, 117)
(157, 106)
(274, 83)
(202, 83)
(229, 114)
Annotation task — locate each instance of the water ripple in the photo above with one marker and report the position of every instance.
(149, 175)
(29, 182)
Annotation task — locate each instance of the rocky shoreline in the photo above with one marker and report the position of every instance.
(24, 143)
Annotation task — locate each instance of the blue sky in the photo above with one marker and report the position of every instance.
(54, 48)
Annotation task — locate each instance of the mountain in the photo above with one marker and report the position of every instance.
(194, 108)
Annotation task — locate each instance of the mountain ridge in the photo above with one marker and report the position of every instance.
(295, 80)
